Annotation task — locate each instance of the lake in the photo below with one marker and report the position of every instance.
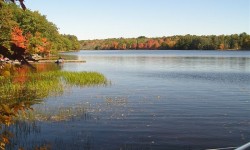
(155, 100)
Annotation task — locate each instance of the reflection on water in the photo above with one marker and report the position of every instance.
(22, 89)
(157, 100)
(16, 98)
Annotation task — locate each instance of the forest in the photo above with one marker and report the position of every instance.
(32, 31)
(187, 42)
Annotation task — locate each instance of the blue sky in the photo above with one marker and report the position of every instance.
(99, 19)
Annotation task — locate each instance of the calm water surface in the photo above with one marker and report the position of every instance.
(156, 100)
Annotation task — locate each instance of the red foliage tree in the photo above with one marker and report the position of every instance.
(44, 47)
(140, 46)
(134, 46)
(150, 44)
(18, 38)
(115, 45)
(156, 45)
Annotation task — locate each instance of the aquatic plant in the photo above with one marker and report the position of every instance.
(83, 78)
(33, 86)
(37, 86)
(19, 91)
(8, 113)
(59, 114)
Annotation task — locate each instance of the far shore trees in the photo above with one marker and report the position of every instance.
(186, 42)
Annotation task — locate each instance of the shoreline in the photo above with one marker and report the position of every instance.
(49, 61)
(64, 61)
(163, 50)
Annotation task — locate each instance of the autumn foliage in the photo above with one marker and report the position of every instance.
(178, 42)
(29, 32)
(32, 44)
(18, 38)
(39, 44)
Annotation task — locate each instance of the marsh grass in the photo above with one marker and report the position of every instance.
(20, 89)
(26, 89)
(41, 85)
(82, 79)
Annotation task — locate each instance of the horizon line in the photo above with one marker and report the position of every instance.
(161, 36)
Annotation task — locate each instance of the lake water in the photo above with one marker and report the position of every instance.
(155, 100)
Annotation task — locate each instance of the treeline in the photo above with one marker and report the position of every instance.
(187, 42)
(32, 31)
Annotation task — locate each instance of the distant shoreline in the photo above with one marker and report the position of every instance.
(178, 42)
(162, 50)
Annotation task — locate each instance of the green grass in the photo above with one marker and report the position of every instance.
(82, 79)
(45, 84)
(25, 90)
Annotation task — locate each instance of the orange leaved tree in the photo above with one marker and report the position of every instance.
(18, 38)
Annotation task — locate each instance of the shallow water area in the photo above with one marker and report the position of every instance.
(155, 100)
